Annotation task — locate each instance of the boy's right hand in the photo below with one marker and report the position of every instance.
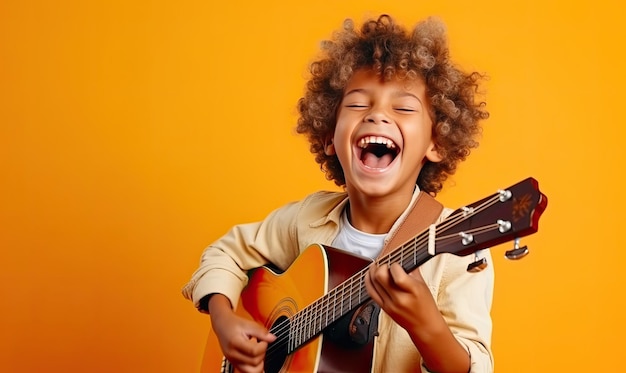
(243, 341)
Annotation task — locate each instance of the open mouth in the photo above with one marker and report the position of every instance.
(377, 152)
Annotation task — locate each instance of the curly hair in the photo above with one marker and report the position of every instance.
(394, 53)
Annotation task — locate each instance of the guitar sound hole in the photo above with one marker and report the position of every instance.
(276, 355)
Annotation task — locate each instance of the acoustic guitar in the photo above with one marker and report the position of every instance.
(304, 305)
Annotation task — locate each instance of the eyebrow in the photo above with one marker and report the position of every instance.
(397, 93)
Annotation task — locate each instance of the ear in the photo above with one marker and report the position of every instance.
(432, 154)
(329, 147)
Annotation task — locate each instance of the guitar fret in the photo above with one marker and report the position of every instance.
(314, 315)
(292, 332)
(336, 305)
(316, 318)
(301, 324)
(331, 311)
(326, 313)
(307, 324)
(306, 332)
(350, 297)
(322, 314)
(336, 300)
(359, 286)
(351, 292)
(356, 289)
(340, 300)
(334, 308)
(295, 340)
(317, 321)
(344, 298)
(353, 301)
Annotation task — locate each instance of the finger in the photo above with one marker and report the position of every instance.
(371, 289)
(258, 349)
(250, 354)
(246, 368)
(399, 278)
(260, 334)
(379, 276)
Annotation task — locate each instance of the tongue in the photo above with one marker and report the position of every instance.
(372, 161)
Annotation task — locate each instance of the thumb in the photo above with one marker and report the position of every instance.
(260, 333)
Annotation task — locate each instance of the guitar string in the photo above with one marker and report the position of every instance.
(323, 303)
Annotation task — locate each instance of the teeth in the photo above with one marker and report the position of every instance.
(376, 140)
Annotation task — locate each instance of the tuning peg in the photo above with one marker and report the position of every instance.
(517, 252)
(478, 265)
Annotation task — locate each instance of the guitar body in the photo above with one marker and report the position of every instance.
(271, 297)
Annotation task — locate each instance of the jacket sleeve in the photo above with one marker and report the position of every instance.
(465, 299)
(224, 264)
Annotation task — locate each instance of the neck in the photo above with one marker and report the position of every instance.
(376, 214)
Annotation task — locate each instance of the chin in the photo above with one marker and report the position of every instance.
(373, 189)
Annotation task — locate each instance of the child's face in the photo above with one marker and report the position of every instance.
(383, 135)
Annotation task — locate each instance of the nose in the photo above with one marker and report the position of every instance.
(377, 116)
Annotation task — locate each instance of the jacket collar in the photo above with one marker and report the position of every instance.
(335, 213)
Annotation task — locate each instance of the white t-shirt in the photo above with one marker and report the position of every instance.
(356, 242)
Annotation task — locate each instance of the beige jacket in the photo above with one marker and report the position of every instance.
(463, 298)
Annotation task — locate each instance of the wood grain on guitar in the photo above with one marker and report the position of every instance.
(325, 284)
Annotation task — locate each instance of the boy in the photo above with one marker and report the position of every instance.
(387, 115)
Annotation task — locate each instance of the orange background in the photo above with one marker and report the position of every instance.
(133, 133)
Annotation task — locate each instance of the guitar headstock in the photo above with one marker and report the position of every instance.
(507, 215)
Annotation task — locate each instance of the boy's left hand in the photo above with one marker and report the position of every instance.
(404, 297)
